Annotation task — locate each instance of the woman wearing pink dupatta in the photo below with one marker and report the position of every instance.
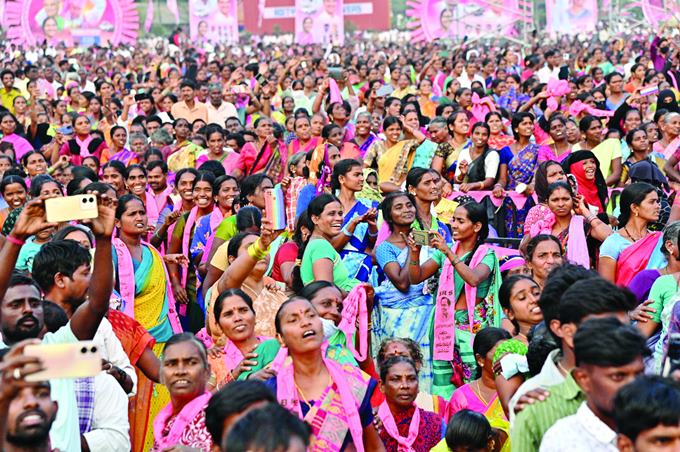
(8, 125)
(304, 141)
(333, 399)
(266, 155)
(185, 372)
(567, 218)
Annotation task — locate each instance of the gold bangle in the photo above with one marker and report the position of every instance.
(256, 252)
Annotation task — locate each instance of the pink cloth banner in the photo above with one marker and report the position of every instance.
(319, 22)
(570, 16)
(214, 21)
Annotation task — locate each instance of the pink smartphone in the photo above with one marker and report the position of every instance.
(274, 208)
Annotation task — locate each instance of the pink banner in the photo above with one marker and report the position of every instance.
(214, 21)
(570, 16)
(319, 22)
(84, 22)
(451, 19)
(658, 11)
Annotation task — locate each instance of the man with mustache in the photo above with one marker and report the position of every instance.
(21, 310)
(27, 410)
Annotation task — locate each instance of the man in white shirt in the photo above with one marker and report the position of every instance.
(469, 75)
(551, 68)
(218, 109)
(21, 307)
(609, 355)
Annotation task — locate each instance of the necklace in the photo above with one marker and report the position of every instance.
(625, 228)
(562, 368)
(302, 394)
(479, 393)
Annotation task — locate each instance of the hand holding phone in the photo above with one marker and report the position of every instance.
(74, 360)
(274, 208)
(71, 208)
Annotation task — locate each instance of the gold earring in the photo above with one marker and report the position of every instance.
(637, 214)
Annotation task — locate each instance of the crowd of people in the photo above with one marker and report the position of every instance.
(368, 247)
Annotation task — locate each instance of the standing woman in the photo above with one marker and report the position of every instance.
(633, 247)
(359, 228)
(478, 164)
(405, 426)
(446, 155)
(8, 127)
(392, 128)
(304, 141)
(185, 372)
(467, 300)
(333, 398)
(215, 138)
(117, 150)
(265, 155)
(319, 259)
(114, 173)
(639, 146)
(34, 164)
(185, 153)
(363, 137)
(560, 148)
(402, 309)
(185, 285)
(498, 139)
(591, 129)
(518, 162)
(143, 283)
(82, 145)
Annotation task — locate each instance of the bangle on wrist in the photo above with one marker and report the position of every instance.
(256, 252)
(346, 231)
(373, 234)
(11, 239)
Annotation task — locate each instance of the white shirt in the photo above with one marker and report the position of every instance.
(545, 73)
(110, 424)
(549, 375)
(466, 82)
(220, 115)
(583, 431)
(112, 350)
(491, 163)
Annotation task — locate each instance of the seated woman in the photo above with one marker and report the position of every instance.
(402, 309)
(404, 424)
(590, 183)
(235, 318)
(470, 431)
(185, 372)
(560, 149)
(478, 164)
(568, 218)
(333, 398)
(481, 394)
(633, 247)
(543, 253)
(519, 296)
(467, 300)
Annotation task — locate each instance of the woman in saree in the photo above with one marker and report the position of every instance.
(266, 155)
(398, 159)
(481, 395)
(117, 150)
(114, 173)
(560, 148)
(304, 141)
(518, 162)
(639, 146)
(402, 309)
(641, 284)
(184, 182)
(358, 234)
(392, 128)
(403, 423)
(633, 247)
(590, 182)
(467, 298)
(239, 346)
(543, 253)
(8, 127)
(446, 155)
(478, 164)
(184, 281)
(424, 185)
(363, 137)
(14, 191)
(215, 140)
(185, 372)
(142, 281)
(568, 218)
(498, 138)
(319, 260)
(184, 153)
(83, 143)
(333, 398)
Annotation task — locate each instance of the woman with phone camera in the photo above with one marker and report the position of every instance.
(185, 284)
(402, 309)
(359, 225)
(185, 371)
(467, 298)
(143, 283)
(333, 398)
(568, 218)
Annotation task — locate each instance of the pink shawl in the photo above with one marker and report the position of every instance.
(387, 419)
(353, 308)
(635, 258)
(183, 420)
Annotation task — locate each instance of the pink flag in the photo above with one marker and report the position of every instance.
(172, 7)
(149, 15)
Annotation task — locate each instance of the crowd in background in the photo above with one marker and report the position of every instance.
(435, 246)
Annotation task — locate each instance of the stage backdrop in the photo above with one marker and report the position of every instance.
(570, 16)
(213, 21)
(71, 21)
(269, 16)
(449, 19)
(319, 22)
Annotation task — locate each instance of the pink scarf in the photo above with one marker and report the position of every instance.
(353, 307)
(288, 397)
(233, 356)
(126, 279)
(186, 239)
(216, 217)
(671, 148)
(405, 443)
(156, 203)
(182, 421)
(577, 248)
(444, 328)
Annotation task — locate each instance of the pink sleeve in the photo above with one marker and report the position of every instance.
(458, 402)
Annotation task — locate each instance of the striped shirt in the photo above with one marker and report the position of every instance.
(534, 420)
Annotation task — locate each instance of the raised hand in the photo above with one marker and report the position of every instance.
(103, 225)
(31, 220)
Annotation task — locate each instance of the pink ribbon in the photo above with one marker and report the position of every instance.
(405, 444)
(578, 107)
(517, 198)
(353, 307)
(555, 89)
(479, 107)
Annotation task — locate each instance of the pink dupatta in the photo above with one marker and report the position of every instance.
(182, 421)
(288, 397)
(216, 217)
(444, 328)
(635, 258)
(353, 308)
(126, 279)
(387, 419)
(232, 354)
